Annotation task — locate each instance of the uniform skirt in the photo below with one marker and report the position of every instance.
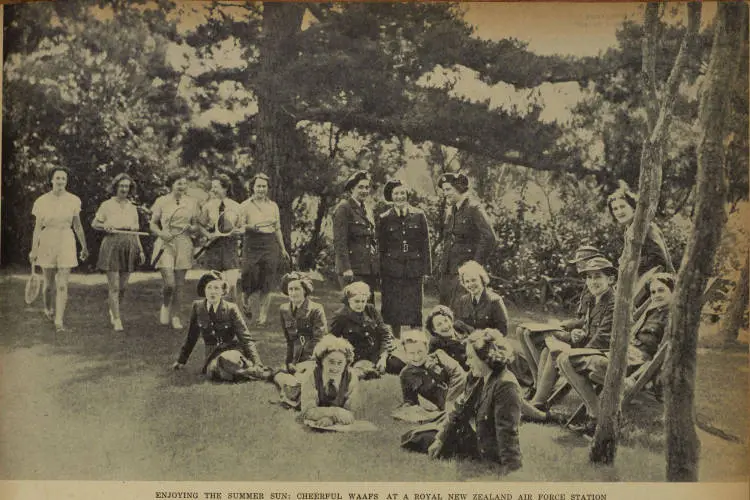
(402, 300)
(222, 255)
(260, 262)
(118, 253)
(57, 248)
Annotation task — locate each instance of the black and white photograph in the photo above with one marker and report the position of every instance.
(374, 243)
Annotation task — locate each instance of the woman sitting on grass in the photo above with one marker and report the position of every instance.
(484, 422)
(231, 353)
(302, 320)
(446, 335)
(360, 323)
(436, 377)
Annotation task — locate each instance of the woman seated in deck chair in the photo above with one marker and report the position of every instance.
(585, 369)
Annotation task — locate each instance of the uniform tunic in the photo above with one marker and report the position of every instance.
(404, 244)
(303, 328)
(355, 243)
(365, 331)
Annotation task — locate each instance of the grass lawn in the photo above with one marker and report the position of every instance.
(94, 404)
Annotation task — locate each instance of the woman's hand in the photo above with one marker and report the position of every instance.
(324, 422)
(141, 257)
(344, 417)
(434, 450)
(577, 335)
(84, 254)
(32, 256)
(381, 364)
(285, 255)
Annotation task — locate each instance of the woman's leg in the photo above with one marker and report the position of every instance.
(532, 353)
(179, 280)
(547, 379)
(264, 301)
(48, 289)
(124, 278)
(113, 298)
(233, 293)
(580, 383)
(61, 295)
(167, 293)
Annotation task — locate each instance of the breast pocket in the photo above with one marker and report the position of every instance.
(359, 227)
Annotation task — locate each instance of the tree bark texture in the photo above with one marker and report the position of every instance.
(604, 446)
(277, 133)
(683, 446)
(732, 322)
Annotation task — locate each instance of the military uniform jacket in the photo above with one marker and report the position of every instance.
(365, 331)
(467, 235)
(650, 332)
(303, 329)
(354, 239)
(404, 244)
(490, 312)
(227, 331)
(598, 321)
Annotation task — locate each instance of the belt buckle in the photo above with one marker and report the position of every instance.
(302, 340)
(404, 247)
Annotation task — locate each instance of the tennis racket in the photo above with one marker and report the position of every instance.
(225, 226)
(177, 224)
(33, 285)
(129, 231)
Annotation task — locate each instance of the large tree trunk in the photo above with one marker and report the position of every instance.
(735, 313)
(604, 446)
(277, 133)
(683, 446)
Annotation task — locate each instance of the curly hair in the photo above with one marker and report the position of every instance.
(474, 268)
(305, 282)
(622, 193)
(492, 348)
(176, 175)
(415, 336)
(438, 310)
(54, 170)
(112, 188)
(225, 181)
(331, 343)
(668, 279)
(356, 288)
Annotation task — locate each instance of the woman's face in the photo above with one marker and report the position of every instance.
(260, 188)
(416, 352)
(333, 365)
(123, 188)
(661, 295)
(450, 193)
(361, 191)
(442, 325)
(622, 211)
(214, 290)
(598, 282)
(477, 367)
(217, 189)
(472, 283)
(180, 185)
(296, 292)
(59, 180)
(399, 195)
(357, 303)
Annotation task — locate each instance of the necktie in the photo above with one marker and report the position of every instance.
(331, 389)
(222, 207)
(211, 313)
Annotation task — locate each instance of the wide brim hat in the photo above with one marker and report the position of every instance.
(585, 253)
(389, 187)
(355, 179)
(596, 264)
(205, 280)
(305, 281)
(458, 181)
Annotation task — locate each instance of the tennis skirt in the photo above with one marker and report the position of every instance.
(57, 248)
(222, 255)
(178, 253)
(260, 262)
(118, 253)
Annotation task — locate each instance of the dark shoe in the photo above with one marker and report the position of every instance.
(588, 428)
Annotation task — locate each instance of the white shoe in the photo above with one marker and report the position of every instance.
(164, 315)
(176, 323)
(117, 324)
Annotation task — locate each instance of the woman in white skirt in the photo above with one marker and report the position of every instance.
(57, 224)
(175, 211)
(119, 251)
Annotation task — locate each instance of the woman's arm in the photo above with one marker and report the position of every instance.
(153, 224)
(242, 332)
(35, 239)
(425, 244)
(456, 377)
(190, 341)
(78, 230)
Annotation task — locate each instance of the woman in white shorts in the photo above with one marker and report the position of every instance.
(57, 224)
(119, 251)
(175, 252)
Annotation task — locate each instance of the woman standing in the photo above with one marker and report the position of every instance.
(467, 234)
(262, 247)
(222, 253)
(484, 422)
(119, 251)
(53, 245)
(354, 239)
(173, 217)
(404, 243)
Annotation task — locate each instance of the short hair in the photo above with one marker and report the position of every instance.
(473, 267)
(356, 178)
(256, 178)
(305, 281)
(459, 181)
(331, 343)
(54, 170)
(622, 193)
(112, 188)
(492, 348)
(668, 279)
(225, 181)
(176, 175)
(209, 277)
(415, 336)
(437, 311)
(356, 288)
(391, 186)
